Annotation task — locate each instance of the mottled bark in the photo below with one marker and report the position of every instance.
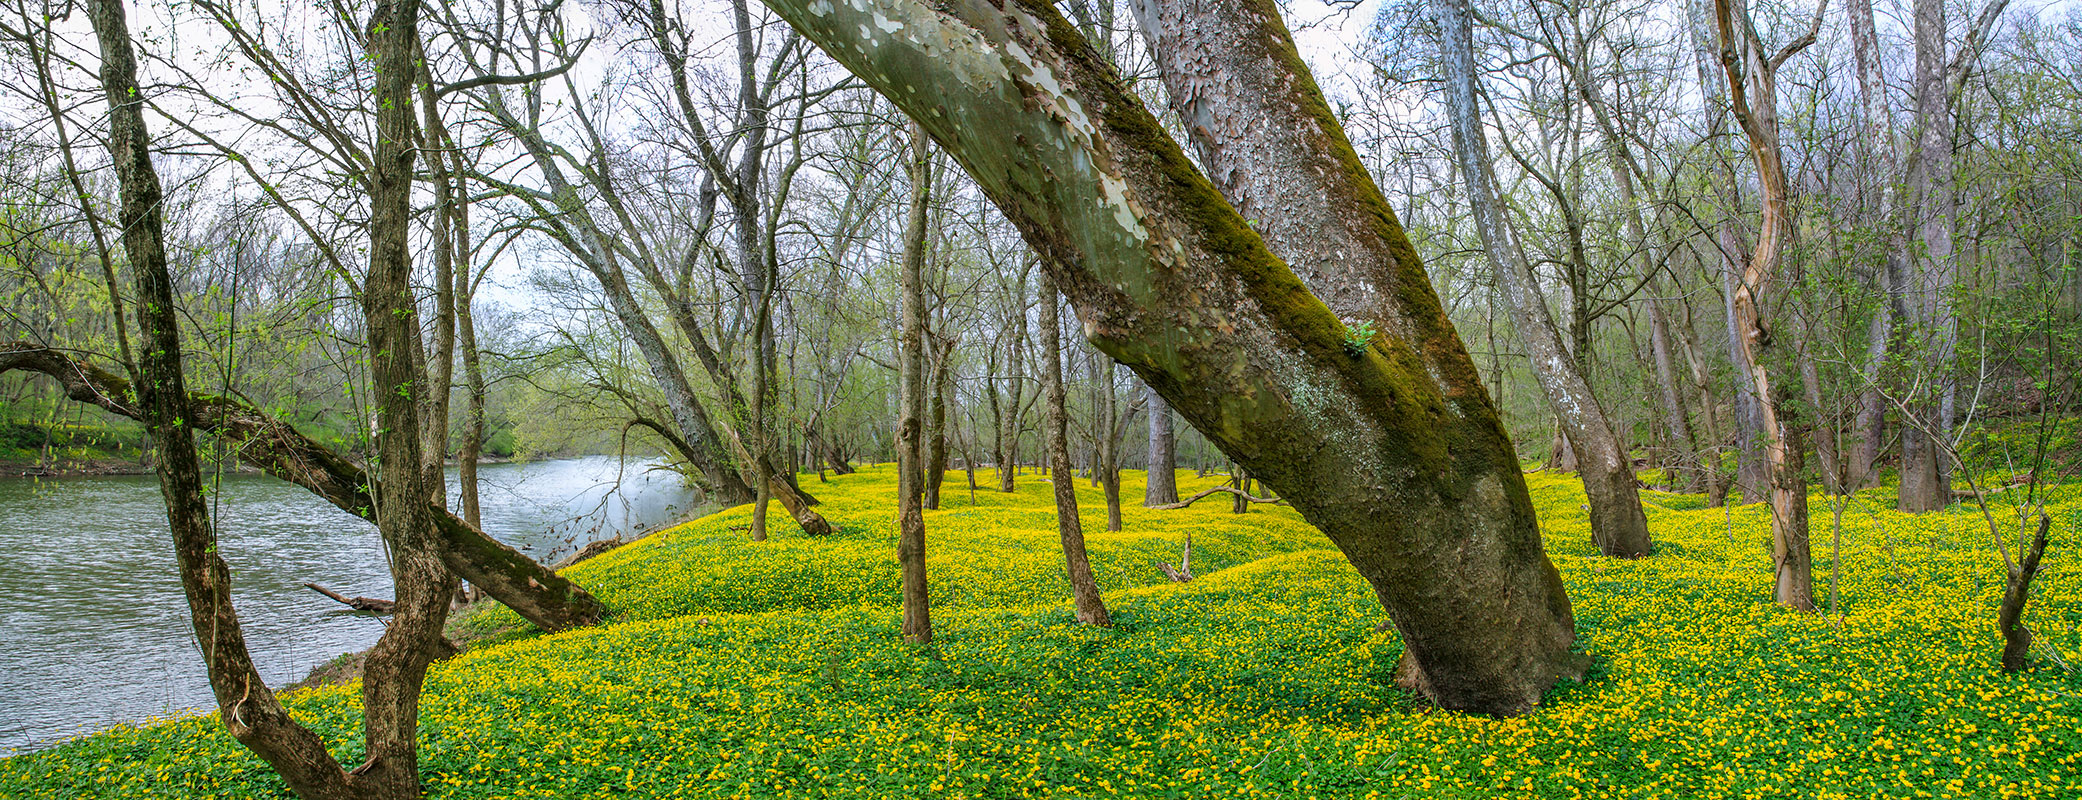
(1015, 371)
(1084, 588)
(910, 435)
(1396, 453)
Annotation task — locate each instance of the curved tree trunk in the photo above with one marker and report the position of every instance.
(1395, 453)
(245, 704)
(1752, 93)
(1084, 588)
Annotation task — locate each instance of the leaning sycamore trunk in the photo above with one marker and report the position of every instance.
(1395, 453)
(1617, 523)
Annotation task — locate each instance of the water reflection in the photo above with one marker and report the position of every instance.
(95, 626)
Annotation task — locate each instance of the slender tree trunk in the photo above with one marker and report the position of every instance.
(1163, 454)
(1084, 588)
(1008, 465)
(910, 438)
(245, 704)
(1684, 443)
(1395, 454)
(1618, 524)
(943, 385)
(1752, 93)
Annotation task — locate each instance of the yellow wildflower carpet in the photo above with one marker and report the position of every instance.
(734, 669)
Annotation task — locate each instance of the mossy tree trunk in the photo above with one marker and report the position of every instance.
(245, 704)
(1395, 452)
(910, 427)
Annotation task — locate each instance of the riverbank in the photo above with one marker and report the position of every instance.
(734, 669)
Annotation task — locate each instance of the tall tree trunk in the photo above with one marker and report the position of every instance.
(1684, 443)
(1618, 524)
(943, 385)
(1879, 150)
(245, 704)
(1924, 486)
(1084, 588)
(396, 667)
(1396, 454)
(910, 437)
(1162, 486)
(1008, 462)
(1752, 93)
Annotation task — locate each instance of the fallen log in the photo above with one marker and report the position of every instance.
(535, 592)
(370, 604)
(1218, 490)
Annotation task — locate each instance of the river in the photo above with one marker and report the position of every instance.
(94, 629)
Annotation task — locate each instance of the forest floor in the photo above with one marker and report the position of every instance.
(732, 669)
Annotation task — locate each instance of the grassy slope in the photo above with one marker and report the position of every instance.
(740, 670)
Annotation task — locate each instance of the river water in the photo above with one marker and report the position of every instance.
(94, 628)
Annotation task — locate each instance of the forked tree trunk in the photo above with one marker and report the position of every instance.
(244, 703)
(910, 436)
(1396, 453)
(1084, 588)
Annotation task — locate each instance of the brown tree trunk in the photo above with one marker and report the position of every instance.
(1084, 588)
(245, 704)
(396, 666)
(936, 457)
(1008, 431)
(2017, 639)
(1396, 453)
(910, 437)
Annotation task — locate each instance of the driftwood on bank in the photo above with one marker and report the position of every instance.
(1219, 490)
(535, 592)
(372, 605)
